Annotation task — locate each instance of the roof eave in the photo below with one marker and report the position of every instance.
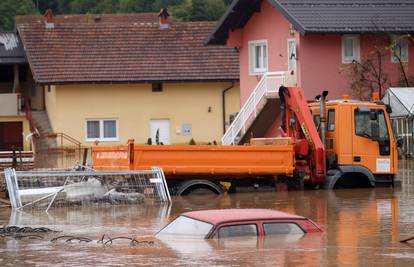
(137, 81)
(288, 16)
(211, 35)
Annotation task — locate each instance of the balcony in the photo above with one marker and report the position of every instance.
(10, 105)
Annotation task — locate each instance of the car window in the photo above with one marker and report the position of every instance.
(238, 230)
(186, 226)
(281, 228)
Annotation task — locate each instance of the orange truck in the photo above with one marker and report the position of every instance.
(337, 143)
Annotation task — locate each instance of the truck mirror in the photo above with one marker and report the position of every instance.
(388, 108)
(400, 142)
(375, 130)
(373, 115)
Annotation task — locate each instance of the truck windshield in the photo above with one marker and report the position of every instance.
(186, 226)
(363, 124)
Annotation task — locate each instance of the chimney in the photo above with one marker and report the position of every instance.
(164, 19)
(49, 19)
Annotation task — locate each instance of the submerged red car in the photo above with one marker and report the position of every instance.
(214, 224)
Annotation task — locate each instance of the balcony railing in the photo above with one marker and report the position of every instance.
(268, 85)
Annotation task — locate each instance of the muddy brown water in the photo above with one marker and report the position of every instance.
(362, 228)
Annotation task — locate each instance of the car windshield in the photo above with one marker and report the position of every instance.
(186, 226)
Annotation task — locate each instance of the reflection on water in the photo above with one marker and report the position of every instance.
(362, 227)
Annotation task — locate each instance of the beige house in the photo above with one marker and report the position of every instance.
(110, 78)
(15, 80)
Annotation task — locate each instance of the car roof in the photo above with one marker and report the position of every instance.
(225, 215)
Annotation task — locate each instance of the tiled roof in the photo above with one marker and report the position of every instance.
(11, 49)
(325, 16)
(126, 51)
(350, 15)
(85, 18)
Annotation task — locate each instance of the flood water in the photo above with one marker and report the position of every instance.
(362, 228)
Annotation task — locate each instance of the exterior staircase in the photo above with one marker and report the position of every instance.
(258, 102)
(41, 121)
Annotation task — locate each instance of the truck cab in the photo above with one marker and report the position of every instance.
(360, 145)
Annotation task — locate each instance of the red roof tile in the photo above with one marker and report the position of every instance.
(89, 18)
(124, 50)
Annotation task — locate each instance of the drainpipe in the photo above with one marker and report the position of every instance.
(223, 98)
(15, 78)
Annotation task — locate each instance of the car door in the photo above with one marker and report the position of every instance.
(376, 155)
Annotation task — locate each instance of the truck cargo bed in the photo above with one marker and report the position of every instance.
(210, 161)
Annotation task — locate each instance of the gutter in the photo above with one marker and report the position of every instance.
(223, 103)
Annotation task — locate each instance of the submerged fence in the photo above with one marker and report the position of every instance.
(45, 189)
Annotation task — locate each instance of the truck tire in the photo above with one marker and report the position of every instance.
(198, 187)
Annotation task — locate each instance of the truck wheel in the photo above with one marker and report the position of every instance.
(200, 187)
(295, 183)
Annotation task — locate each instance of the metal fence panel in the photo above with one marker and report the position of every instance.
(45, 189)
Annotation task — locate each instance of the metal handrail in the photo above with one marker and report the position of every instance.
(249, 109)
(66, 137)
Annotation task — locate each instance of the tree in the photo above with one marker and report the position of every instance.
(83, 6)
(127, 6)
(43, 5)
(182, 11)
(369, 75)
(207, 9)
(10, 8)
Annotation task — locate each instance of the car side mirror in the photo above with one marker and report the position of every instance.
(375, 130)
(400, 142)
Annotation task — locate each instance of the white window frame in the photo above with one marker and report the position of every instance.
(252, 57)
(356, 51)
(399, 39)
(101, 130)
(290, 68)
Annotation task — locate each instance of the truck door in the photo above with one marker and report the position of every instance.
(371, 140)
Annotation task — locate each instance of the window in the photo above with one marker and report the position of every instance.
(317, 121)
(157, 87)
(399, 49)
(331, 120)
(102, 130)
(281, 229)
(238, 230)
(292, 55)
(371, 123)
(258, 56)
(350, 48)
(186, 226)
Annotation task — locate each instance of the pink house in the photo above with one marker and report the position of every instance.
(316, 42)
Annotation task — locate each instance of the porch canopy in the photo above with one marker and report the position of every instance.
(401, 100)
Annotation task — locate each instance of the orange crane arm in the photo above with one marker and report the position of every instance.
(297, 122)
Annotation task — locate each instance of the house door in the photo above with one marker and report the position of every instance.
(160, 131)
(292, 58)
(11, 135)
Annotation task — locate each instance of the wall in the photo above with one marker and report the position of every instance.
(134, 105)
(321, 68)
(265, 25)
(319, 65)
(26, 128)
